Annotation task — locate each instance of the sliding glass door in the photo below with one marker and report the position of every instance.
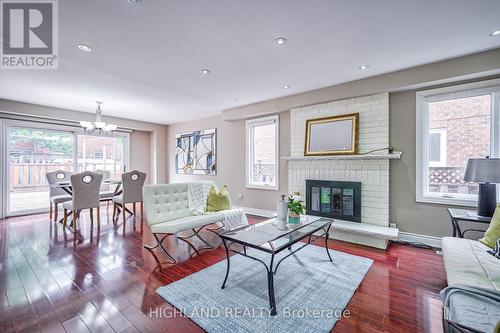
(31, 152)
(101, 153)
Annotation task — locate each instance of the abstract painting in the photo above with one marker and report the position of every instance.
(195, 152)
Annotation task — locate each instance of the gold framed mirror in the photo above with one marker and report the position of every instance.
(335, 135)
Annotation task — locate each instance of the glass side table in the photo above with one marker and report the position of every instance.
(467, 215)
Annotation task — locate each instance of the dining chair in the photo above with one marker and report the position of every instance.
(56, 194)
(85, 187)
(132, 183)
(106, 194)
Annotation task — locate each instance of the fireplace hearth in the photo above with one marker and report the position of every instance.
(334, 199)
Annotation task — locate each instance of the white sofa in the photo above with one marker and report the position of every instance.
(467, 263)
(470, 271)
(168, 211)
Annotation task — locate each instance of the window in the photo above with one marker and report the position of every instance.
(262, 145)
(29, 150)
(102, 153)
(454, 124)
(32, 152)
(437, 147)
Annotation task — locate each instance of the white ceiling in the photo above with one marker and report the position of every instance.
(148, 57)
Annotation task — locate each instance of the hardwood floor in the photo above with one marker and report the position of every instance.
(107, 283)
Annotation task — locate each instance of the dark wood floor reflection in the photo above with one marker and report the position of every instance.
(107, 283)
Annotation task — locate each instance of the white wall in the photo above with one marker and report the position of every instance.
(140, 154)
(231, 159)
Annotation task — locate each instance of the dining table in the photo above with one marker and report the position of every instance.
(66, 187)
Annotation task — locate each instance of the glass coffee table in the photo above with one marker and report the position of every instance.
(265, 237)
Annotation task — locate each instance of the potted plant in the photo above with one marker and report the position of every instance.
(295, 208)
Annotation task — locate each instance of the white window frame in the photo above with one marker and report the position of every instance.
(423, 98)
(250, 125)
(3, 170)
(5, 126)
(118, 134)
(442, 148)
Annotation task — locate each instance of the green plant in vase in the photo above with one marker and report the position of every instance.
(295, 208)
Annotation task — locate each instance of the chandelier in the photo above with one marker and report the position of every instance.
(99, 125)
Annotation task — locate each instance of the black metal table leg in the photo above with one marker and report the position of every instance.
(327, 234)
(270, 282)
(459, 232)
(454, 227)
(228, 263)
(271, 270)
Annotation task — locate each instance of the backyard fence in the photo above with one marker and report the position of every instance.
(30, 176)
(450, 180)
(24, 176)
(264, 172)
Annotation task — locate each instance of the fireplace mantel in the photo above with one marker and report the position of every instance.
(396, 155)
(372, 170)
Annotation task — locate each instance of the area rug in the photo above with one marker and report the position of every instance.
(311, 292)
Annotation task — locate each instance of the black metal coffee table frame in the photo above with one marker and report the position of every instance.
(271, 269)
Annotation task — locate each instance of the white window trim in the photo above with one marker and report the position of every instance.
(249, 124)
(422, 155)
(3, 171)
(126, 142)
(442, 148)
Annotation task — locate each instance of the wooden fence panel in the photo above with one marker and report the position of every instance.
(23, 175)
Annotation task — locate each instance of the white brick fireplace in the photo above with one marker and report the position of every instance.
(371, 170)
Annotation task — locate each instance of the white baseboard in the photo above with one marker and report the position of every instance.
(423, 239)
(257, 211)
(432, 241)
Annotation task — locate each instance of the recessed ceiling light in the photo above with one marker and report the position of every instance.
(85, 47)
(280, 41)
(134, 2)
(205, 71)
(363, 67)
(286, 86)
(495, 33)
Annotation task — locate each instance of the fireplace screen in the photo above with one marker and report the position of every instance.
(334, 199)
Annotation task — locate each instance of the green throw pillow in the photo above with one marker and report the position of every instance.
(218, 201)
(493, 232)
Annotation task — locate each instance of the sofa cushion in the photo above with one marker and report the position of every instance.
(165, 202)
(467, 262)
(218, 200)
(186, 223)
(493, 232)
(496, 251)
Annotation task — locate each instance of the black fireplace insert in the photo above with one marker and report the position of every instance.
(334, 199)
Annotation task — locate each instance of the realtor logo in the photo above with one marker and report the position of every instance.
(29, 34)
